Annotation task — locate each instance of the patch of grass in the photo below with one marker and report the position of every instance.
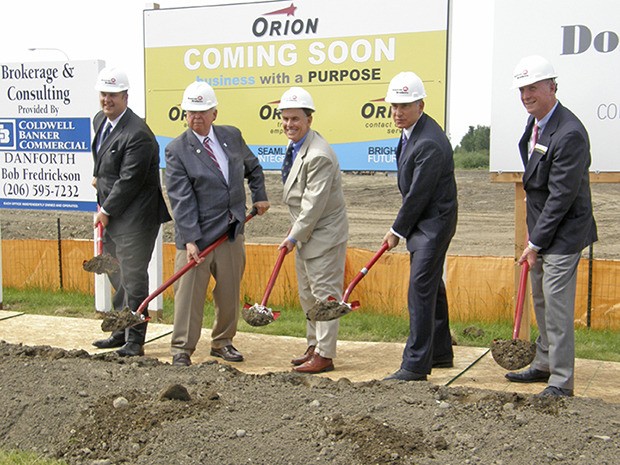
(26, 458)
(358, 326)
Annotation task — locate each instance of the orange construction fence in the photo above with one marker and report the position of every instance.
(479, 288)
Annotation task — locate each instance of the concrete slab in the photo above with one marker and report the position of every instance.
(356, 361)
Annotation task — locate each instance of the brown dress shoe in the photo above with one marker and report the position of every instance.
(316, 364)
(305, 357)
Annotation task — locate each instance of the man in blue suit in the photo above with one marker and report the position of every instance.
(427, 221)
(555, 150)
(205, 171)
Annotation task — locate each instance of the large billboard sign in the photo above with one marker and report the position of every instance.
(581, 40)
(45, 135)
(343, 52)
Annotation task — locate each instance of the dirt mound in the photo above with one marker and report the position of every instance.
(104, 409)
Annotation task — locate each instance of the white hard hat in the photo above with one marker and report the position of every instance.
(405, 87)
(296, 97)
(198, 96)
(112, 80)
(532, 69)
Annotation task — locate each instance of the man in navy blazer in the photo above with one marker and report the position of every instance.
(205, 171)
(555, 150)
(427, 221)
(132, 207)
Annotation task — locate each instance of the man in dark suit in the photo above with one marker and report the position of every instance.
(427, 221)
(132, 207)
(555, 150)
(205, 171)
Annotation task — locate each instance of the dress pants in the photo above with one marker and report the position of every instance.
(131, 283)
(554, 283)
(429, 329)
(320, 278)
(226, 264)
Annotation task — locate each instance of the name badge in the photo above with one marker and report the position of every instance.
(541, 148)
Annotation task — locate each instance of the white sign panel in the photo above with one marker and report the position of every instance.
(45, 135)
(581, 40)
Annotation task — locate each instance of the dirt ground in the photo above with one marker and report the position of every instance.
(104, 410)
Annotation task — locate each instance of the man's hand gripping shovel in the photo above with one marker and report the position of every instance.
(125, 318)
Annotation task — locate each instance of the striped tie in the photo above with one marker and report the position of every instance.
(207, 145)
(288, 162)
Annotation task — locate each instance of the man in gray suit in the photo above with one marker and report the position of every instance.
(555, 150)
(427, 221)
(320, 229)
(205, 171)
(126, 176)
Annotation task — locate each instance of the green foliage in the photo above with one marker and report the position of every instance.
(471, 160)
(26, 458)
(477, 139)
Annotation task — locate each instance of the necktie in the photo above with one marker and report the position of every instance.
(207, 145)
(403, 145)
(534, 138)
(288, 162)
(106, 132)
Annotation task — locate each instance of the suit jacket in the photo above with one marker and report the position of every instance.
(127, 172)
(428, 215)
(313, 193)
(557, 185)
(201, 199)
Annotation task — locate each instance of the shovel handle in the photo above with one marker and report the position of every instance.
(99, 238)
(363, 272)
(189, 265)
(274, 275)
(525, 268)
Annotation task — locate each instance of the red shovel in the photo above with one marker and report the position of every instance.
(115, 321)
(332, 309)
(515, 353)
(260, 314)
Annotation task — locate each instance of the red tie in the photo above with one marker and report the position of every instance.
(207, 145)
(534, 138)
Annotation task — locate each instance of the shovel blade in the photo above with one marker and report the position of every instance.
(258, 315)
(513, 354)
(329, 310)
(116, 321)
(100, 264)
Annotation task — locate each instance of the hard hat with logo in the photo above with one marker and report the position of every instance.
(112, 80)
(405, 87)
(198, 96)
(532, 69)
(296, 97)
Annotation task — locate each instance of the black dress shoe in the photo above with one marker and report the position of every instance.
(406, 375)
(552, 391)
(228, 353)
(531, 375)
(181, 360)
(131, 349)
(443, 364)
(109, 343)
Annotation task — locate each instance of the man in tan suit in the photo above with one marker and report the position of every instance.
(320, 229)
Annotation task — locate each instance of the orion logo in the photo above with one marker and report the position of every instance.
(377, 109)
(270, 111)
(275, 27)
(7, 134)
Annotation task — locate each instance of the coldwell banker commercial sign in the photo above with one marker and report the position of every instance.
(45, 135)
(343, 52)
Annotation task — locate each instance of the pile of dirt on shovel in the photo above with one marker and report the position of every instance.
(104, 409)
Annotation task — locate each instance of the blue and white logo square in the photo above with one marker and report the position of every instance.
(7, 134)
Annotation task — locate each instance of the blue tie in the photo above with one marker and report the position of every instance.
(288, 162)
(106, 132)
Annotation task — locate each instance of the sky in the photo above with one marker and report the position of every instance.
(111, 30)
